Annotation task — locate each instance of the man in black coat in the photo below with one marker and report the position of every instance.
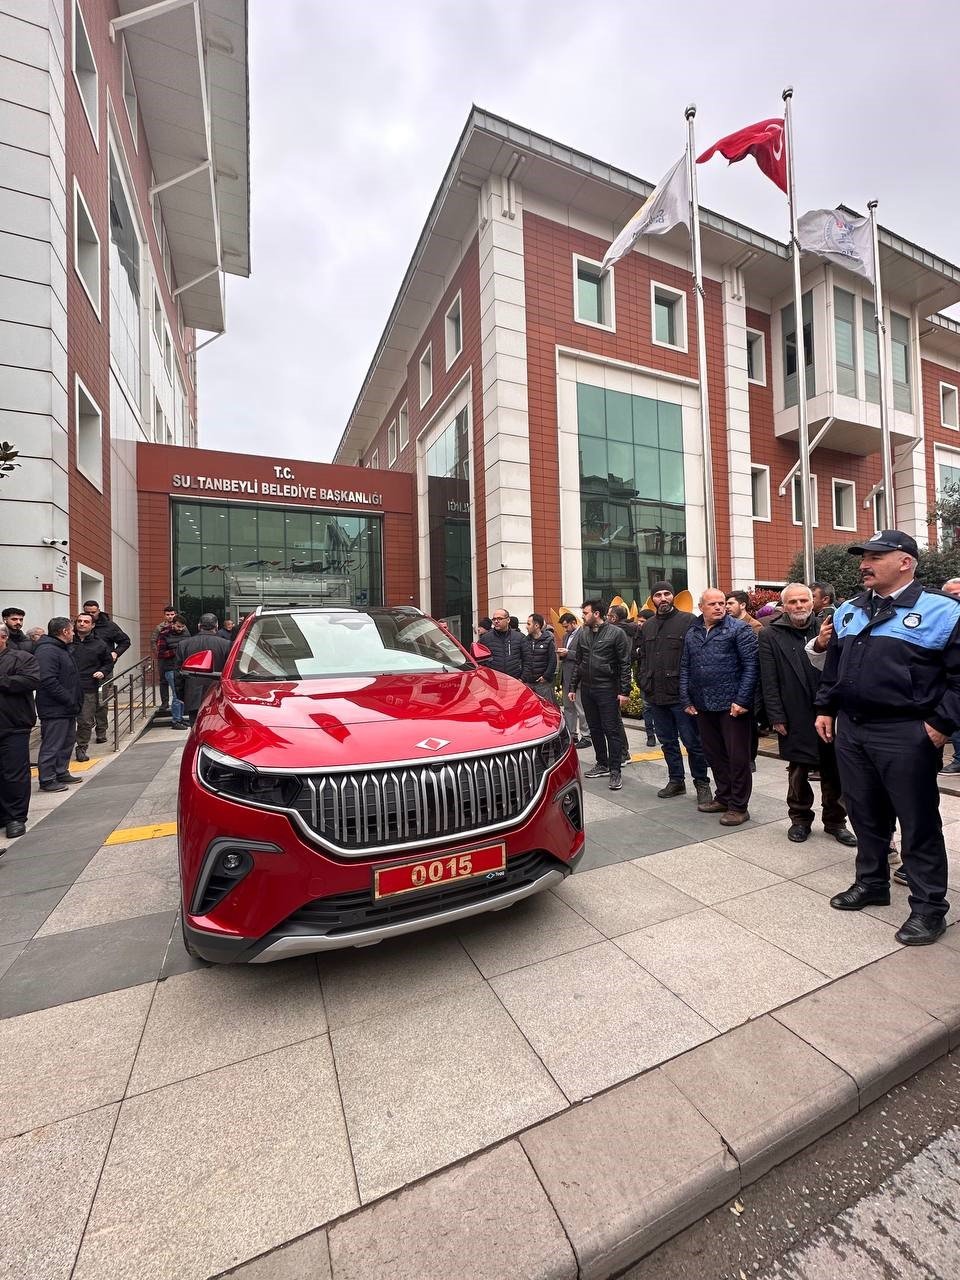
(790, 682)
(93, 662)
(16, 636)
(59, 699)
(190, 690)
(541, 657)
(508, 650)
(117, 641)
(19, 679)
(603, 679)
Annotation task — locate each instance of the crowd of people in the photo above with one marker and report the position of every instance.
(54, 675)
(861, 695)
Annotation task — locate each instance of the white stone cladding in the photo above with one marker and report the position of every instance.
(739, 492)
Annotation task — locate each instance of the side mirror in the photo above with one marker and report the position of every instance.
(479, 652)
(200, 664)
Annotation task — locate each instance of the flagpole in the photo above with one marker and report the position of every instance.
(806, 514)
(886, 459)
(709, 507)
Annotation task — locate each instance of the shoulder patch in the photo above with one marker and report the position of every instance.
(847, 619)
(912, 620)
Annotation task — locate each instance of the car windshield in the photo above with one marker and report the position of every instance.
(311, 646)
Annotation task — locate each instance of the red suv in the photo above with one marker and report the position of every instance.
(354, 775)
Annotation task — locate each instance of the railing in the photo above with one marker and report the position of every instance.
(130, 697)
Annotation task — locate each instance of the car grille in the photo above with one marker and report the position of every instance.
(348, 912)
(379, 808)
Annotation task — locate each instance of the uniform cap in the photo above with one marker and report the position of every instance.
(887, 540)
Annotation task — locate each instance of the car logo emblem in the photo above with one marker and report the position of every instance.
(433, 744)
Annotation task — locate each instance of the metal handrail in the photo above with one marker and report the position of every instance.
(121, 694)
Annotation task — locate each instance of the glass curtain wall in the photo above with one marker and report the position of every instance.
(632, 504)
(230, 557)
(449, 522)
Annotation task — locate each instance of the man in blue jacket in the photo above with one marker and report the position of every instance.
(890, 697)
(718, 680)
(59, 699)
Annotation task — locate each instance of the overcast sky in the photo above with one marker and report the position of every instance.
(355, 111)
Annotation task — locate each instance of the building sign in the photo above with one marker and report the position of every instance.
(281, 487)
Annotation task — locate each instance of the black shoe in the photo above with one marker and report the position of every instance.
(68, 780)
(859, 896)
(753, 766)
(651, 740)
(101, 737)
(598, 771)
(900, 877)
(584, 741)
(81, 754)
(798, 833)
(15, 829)
(616, 782)
(180, 724)
(704, 794)
(672, 789)
(920, 931)
(53, 786)
(626, 759)
(843, 835)
(952, 767)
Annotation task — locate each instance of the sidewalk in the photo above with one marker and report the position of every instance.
(165, 1119)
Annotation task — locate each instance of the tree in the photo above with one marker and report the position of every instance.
(832, 563)
(946, 514)
(8, 454)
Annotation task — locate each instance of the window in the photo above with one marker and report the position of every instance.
(158, 318)
(453, 331)
(788, 327)
(158, 422)
(669, 317)
(404, 426)
(592, 294)
(756, 362)
(155, 211)
(795, 492)
(426, 376)
(89, 427)
(844, 341)
(167, 266)
(948, 406)
(129, 93)
(392, 443)
(871, 354)
(125, 286)
(760, 492)
(85, 72)
(879, 511)
(86, 249)
(900, 359)
(375, 459)
(844, 505)
(167, 353)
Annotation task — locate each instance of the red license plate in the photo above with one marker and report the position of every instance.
(388, 881)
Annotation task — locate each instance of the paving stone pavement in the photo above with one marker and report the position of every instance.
(185, 1119)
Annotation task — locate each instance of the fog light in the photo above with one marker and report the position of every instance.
(232, 861)
(570, 804)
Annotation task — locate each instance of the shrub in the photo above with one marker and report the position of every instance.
(835, 564)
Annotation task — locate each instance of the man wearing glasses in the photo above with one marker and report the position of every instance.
(508, 652)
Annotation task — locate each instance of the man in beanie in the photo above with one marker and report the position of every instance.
(661, 644)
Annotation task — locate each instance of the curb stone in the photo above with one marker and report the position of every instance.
(593, 1190)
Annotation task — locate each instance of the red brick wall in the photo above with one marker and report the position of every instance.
(548, 263)
(934, 432)
(88, 341)
(777, 542)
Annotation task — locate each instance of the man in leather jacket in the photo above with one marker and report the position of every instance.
(602, 678)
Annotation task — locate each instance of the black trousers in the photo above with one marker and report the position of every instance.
(14, 776)
(800, 797)
(56, 742)
(602, 710)
(727, 742)
(888, 771)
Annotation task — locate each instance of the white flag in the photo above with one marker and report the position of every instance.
(667, 206)
(841, 239)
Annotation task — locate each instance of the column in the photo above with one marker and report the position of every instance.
(736, 392)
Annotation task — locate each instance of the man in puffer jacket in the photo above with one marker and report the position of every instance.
(603, 678)
(59, 699)
(507, 647)
(19, 678)
(541, 657)
(718, 680)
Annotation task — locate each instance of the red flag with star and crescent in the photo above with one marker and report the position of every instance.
(764, 141)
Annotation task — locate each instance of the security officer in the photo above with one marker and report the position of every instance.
(892, 680)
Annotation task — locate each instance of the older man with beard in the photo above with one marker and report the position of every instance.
(790, 683)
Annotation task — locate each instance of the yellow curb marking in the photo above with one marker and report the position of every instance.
(76, 766)
(126, 835)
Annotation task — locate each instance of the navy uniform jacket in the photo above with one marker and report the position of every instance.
(904, 664)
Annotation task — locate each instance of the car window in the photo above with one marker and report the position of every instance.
(305, 646)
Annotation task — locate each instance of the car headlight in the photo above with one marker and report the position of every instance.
(554, 749)
(238, 780)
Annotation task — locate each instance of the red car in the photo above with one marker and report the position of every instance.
(354, 775)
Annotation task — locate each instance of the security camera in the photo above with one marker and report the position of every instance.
(54, 542)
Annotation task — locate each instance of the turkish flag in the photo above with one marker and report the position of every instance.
(764, 141)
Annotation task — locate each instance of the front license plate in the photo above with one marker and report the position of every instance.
(389, 881)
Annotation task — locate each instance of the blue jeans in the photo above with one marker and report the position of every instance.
(176, 706)
(955, 740)
(673, 725)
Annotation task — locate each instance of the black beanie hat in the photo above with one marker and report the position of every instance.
(662, 586)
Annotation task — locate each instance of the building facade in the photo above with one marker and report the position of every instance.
(124, 141)
(550, 417)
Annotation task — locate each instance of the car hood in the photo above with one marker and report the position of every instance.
(336, 723)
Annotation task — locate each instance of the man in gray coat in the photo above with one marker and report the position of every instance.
(576, 721)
